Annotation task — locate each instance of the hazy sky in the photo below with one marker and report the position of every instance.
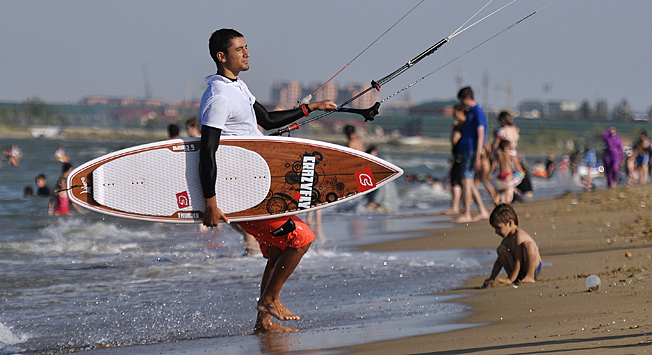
(584, 49)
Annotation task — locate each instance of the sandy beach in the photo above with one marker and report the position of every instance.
(607, 233)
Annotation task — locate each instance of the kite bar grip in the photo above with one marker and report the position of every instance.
(367, 113)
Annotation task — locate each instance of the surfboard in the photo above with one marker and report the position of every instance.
(257, 178)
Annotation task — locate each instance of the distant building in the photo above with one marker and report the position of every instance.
(433, 108)
(287, 94)
(120, 101)
(551, 109)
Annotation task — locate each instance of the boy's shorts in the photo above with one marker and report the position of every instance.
(468, 171)
(522, 273)
(284, 232)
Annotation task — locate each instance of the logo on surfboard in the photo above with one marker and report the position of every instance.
(182, 199)
(187, 147)
(307, 180)
(365, 180)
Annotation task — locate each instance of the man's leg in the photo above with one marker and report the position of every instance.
(467, 200)
(455, 201)
(282, 264)
(264, 322)
(478, 200)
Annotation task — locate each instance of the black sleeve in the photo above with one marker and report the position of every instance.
(210, 141)
(276, 119)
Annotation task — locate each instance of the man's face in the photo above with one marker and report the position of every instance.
(237, 57)
(467, 102)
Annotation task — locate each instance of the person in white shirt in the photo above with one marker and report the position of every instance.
(229, 108)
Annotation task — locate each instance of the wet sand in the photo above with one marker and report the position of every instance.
(607, 233)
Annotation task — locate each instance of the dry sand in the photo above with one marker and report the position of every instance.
(607, 233)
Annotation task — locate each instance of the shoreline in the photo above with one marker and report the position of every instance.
(143, 135)
(607, 233)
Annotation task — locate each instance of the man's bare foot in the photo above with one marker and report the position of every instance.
(276, 309)
(264, 325)
(480, 217)
(451, 211)
(462, 219)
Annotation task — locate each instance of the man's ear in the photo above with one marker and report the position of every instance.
(221, 57)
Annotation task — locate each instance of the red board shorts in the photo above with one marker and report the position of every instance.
(280, 232)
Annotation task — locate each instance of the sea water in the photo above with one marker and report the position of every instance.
(88, 281)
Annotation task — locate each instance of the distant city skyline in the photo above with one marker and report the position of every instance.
(571, 50)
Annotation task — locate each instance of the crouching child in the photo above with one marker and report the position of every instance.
(518, 253)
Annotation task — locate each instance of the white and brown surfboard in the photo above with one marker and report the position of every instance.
(258, 178)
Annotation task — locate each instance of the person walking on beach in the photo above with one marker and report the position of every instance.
(508, 166)
(643, 149)
(517, 253)
(229, 108)
(471, 145)
(459, 117)
(613, 155)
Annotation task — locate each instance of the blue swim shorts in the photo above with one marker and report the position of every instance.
(522, 273)
(468, 171)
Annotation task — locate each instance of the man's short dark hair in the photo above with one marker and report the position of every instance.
(220, 41)
(465, 93)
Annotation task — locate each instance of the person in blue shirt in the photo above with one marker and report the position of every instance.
(590, 160)
(471, 145)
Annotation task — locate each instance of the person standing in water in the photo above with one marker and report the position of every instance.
(613, 155)
(229, 108)
(471, 146)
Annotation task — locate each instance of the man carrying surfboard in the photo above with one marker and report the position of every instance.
(229, 108)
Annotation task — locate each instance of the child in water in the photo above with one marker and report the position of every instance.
(518, 253)
(59, 202)
(507, 179)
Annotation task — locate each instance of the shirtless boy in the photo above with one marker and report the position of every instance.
(518, 253)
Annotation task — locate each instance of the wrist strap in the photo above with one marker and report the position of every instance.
(306, 110)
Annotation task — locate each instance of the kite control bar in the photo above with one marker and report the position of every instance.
(367, 113)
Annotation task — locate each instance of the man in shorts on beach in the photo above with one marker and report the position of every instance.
(518, 253)
(471, 145)
(228, 108)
